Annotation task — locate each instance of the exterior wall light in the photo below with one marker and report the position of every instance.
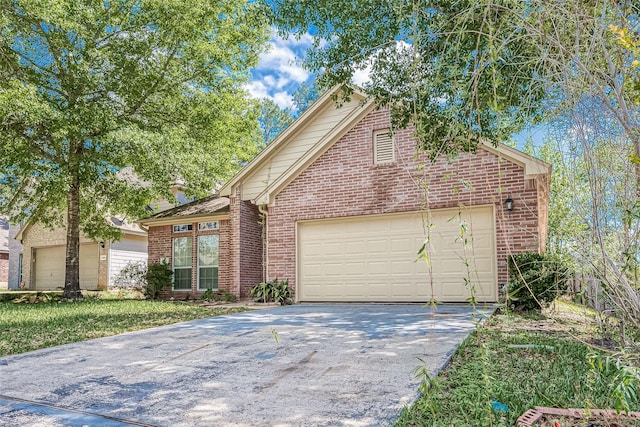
(509, 204)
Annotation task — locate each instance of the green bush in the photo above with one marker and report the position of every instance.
(540, 277)
(273, 291)
(159, 275)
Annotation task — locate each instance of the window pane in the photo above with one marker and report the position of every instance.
(208, 251)
(208, 278)
(182, 278)
(182, 252)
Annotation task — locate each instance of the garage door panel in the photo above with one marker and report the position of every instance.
(375, 258)
(50, 265)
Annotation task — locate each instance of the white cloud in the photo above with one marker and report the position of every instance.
(280, 71)
(283, 99)
(362, 76)
(257, 89)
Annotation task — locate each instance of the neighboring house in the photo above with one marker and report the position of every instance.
(4, 254)
(15, 258)
(340, 207)
(41, 262)
(44, 250)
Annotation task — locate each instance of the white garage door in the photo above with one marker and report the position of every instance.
(50, 265)
(373, 258)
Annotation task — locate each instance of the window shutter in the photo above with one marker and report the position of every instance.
(383, 146)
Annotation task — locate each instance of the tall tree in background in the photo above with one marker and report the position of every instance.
(105, 104)
(273, 119)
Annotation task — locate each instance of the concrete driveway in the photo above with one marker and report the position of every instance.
(301, 365)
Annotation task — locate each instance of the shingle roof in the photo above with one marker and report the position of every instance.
(202, 207)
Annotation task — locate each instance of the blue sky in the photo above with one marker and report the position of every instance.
(280, 72)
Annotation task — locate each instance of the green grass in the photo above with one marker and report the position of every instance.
(556, 372)
(26, 327)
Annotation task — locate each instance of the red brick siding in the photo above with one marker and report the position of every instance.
(344, 182)
(245, 245)
(4, 267)
(251, 264)
(161, 246)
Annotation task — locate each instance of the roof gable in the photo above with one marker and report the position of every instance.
(305, 133)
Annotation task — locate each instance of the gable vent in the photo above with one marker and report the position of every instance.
(382, 146)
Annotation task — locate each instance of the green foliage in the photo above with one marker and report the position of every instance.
(273, 119)
(624, 380)
(273, 291)
(27, 327)
(158, 276)
(104, 105)
(220, 295)
(536, 280)
(467, 69)
(132, 275)
(510, 361)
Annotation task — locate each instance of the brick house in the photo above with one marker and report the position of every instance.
(44, 252)
(340, 206)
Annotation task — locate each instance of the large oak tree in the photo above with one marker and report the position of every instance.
(105, 104)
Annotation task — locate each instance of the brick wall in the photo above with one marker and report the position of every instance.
(251, 263)
(344, 181)
(161, 246)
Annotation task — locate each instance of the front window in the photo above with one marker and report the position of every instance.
(208, 262)
(182, 254)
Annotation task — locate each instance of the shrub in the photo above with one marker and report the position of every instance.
(132, 275)
(273, 291)
(158, 276)
(535, 277)
(222, 295)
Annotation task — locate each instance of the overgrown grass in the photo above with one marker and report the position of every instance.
(26, 327)
(520, 362)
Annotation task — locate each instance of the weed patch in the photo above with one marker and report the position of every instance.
(521, 363)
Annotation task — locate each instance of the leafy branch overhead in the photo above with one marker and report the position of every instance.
(459, 71)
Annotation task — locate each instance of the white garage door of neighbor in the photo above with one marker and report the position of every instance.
(50, 265)
(373, 258)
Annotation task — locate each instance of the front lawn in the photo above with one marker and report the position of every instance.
(522, 362)
(26, 327)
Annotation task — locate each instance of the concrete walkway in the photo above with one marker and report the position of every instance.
(301, 365)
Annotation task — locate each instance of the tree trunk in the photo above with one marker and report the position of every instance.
(72, 269)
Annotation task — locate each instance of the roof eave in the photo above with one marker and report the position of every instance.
(179, 219)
